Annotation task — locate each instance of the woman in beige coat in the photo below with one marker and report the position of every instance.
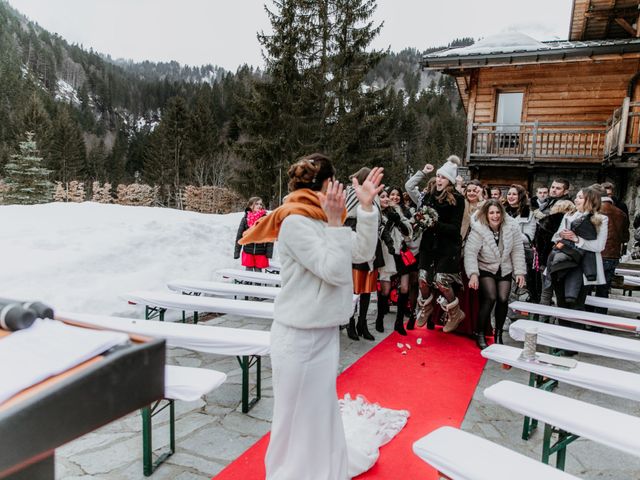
(493, 254)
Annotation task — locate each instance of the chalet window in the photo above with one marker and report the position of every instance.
(508, 117)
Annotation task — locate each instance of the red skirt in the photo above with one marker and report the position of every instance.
(255, 261)
(365, 282)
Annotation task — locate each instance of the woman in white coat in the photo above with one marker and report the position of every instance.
(493, 254)
(316, 252)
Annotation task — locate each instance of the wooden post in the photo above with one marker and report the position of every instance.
(534, 141)
(622, 133)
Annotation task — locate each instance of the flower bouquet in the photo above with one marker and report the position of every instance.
(425, 217)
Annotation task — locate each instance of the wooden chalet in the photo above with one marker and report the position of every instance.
(539, 110)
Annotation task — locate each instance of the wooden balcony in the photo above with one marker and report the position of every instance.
(622, 138)
(536, 142)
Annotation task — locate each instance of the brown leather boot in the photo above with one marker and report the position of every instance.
(424, 310)
(454, 316)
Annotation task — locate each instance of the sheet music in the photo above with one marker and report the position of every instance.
(48, 348)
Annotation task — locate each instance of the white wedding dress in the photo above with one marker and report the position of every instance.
(367, 427)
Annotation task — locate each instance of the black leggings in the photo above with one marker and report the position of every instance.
(494, 290)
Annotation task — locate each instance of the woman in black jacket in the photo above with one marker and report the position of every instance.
(255, 256)
(440, 247)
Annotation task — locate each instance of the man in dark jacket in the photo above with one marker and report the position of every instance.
(541, 198)
(611, 193)
(547, 225)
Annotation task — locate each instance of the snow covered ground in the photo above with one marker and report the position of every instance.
(82, 256)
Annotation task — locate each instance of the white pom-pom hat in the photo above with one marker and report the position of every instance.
(450, 169)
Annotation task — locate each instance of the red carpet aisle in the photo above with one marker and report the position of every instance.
(434, 381)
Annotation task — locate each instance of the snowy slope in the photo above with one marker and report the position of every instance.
(81, 257)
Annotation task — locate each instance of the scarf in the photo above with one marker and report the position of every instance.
(253, 217)
(303, 202)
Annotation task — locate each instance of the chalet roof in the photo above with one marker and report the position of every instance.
(500, 51)
(600, 19)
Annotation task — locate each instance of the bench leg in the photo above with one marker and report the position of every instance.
(536, 381)
(153, 312)
(246, 362)
(148, 465)
(559, 448)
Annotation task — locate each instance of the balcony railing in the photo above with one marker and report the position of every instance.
(537, 141)
(623, 131)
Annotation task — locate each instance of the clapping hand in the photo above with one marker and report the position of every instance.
(369, 189)
(332, 202)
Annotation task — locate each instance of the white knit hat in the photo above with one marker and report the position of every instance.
(450, 169)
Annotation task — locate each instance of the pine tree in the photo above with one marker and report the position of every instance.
(67, 157)
(359, 133)
(280, 120)
(27, 179)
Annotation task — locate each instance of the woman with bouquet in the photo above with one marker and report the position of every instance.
(439, 216)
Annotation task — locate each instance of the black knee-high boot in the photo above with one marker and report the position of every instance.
(411, 324)
(383, 309)
(481, 341)
(402, 305)
(351, 329)
(498, 333)
(361, 326)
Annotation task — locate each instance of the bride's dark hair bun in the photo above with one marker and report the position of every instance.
(310, 172)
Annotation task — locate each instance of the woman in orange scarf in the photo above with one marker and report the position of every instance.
(316, 252)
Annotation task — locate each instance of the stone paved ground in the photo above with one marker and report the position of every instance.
(212, 432)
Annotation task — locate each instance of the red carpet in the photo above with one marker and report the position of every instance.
(434, 381)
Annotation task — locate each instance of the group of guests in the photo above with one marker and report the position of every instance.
(481, 246)
(457, 252)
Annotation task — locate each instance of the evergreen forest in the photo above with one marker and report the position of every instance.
(87, 117)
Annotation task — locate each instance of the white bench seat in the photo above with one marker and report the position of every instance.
(180, 383)
(622, 305)
(166, 300)
(463, 456)
(245, 344)
(596, 319)
(632, 280)
(223, 289)
(608, 427)
(628, 271)
(248, 276)
(585, 375)
(567, 338)
(200, 338)
(189, 383)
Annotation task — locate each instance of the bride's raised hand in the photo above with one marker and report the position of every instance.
(371, 187)
(333, 202)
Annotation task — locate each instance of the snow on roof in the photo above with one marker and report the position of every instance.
(501, 43)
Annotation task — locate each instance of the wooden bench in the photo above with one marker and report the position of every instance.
(157, 303)
(566, 338)
(579, 316)
(223, 289)
(622, 305)
(459, 455)
(570, 419)
(248, 346)
(181, 383)
(237, 275)
(585, 375)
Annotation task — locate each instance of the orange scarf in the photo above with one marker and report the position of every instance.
(300, 202)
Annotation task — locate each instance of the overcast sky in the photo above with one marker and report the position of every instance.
(223, 32)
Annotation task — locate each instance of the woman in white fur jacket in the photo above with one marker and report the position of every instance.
(493, 254)
(316, 251)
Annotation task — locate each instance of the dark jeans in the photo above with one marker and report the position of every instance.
(576, 304)
(602, 291)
